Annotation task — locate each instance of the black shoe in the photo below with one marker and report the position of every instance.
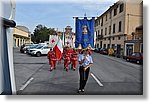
(50, 70)
(82, 90)
(66, 70)
(74, 69)
(79, 90)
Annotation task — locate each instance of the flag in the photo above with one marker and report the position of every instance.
(58, 49)
(72, 43)
(84, 33)
(53, 40)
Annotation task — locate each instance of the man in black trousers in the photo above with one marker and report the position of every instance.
(85, 61)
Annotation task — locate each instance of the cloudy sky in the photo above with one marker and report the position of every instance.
(57, 13)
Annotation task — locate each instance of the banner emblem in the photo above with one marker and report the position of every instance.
(85, 31)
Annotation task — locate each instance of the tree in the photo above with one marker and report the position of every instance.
(41, 33)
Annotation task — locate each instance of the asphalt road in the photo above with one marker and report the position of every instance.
(109, 75)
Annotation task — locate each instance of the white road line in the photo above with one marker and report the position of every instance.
(98, 81)
(26, 84)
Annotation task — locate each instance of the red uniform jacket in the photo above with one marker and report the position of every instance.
(49, 54)
(74, 57)
(67, 57)
(53, 57)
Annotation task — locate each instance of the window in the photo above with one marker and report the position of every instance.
(108, 46)
(106, 17)
(18, 43)
(104, 46)
(101, 31)
(121, 8)
(120, 26)
(113, 38)
(46, 47)
(105, 31)
(39, 47)
(95, 23)
(97, 45)
(115, 11)
(109, 29)
(98, 32)
(99, 22)
(133, 54)
(114, 28)
(118, 37)
(137, 54)
(113, 46)
(110, 15)
(102, 22)
(109, 38)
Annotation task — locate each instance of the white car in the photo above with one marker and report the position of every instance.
(40, 50)
(34, 46)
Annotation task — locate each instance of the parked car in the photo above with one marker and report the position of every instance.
(101, 50)
(104, 51)
(96, 50)
(32, 47)
(43, 44)
(24, 47)
(135, 57)
(40, 50)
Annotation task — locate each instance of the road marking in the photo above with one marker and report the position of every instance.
(98, 81)
(26, 84)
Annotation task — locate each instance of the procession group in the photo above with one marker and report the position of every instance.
(69, 55)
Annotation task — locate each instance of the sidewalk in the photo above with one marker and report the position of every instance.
(121, 60)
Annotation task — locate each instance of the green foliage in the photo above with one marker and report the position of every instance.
(41, 33)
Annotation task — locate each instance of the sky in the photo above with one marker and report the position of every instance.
(57, 13)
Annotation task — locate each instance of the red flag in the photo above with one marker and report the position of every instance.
(58, 49)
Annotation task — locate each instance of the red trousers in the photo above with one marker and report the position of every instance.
(53, 64)
(66, 64)
(74, 62)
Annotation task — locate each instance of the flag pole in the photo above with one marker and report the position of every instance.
(64, 36)
(83, 17)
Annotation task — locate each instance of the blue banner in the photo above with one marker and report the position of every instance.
(84, 33)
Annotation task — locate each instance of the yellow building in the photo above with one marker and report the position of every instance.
(134, 42)
(116, 23)
(21, 35)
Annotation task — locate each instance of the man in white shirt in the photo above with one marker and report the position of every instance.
(85, 61)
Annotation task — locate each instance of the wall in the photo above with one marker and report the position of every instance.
(20, 32)
(134, 19)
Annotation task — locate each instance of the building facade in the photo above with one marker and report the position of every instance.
(134, 42)
(21, 35)
(116, 23)
(69, 37)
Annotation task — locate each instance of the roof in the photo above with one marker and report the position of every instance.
(110, 8)
(23, 28)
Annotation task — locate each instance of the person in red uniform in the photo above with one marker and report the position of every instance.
(66, 61)
(69, 51)
(74, 59)
(49, 54)
(53, 60)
